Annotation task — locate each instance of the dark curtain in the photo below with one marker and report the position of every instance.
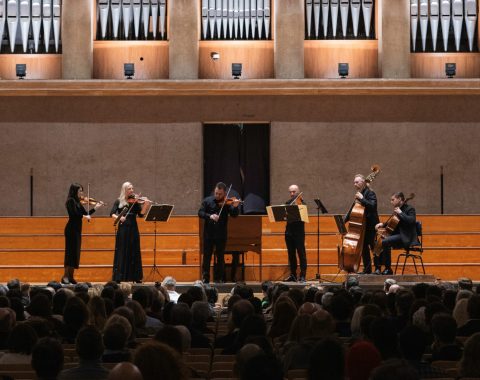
(239, 154)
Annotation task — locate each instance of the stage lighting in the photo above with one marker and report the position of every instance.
(215, 56)
(343, 70)
(129, 70)
(236, 70)
(21, 70)
(450, 69)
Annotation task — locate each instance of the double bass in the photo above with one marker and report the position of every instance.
(386, 231)
(350, 253)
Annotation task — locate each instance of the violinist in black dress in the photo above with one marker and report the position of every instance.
(215, 215)
(127, 261)
(73, 231)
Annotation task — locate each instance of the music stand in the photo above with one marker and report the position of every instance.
(320, 207)
(342, 230)
(157, 213)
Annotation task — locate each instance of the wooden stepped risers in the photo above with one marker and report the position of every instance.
(32, 247)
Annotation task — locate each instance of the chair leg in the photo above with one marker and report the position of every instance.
(415, 264)
(404, 263)
(396, 265)
(421, 261)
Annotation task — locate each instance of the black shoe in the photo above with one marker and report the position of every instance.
(377, 272)
(137, 281)
(387, 271)
(301, 279)
(291, 278)
(65, 281)
(72, 281)
(206, 280)
(365, 272)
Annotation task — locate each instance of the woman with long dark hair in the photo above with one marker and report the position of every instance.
(127, 261)
(73, 231)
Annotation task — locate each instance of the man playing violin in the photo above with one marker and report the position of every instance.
(404, 235)
(368, 199)
(295, 240)
(215, 211)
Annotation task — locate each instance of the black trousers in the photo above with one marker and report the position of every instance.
(385, 258)
(209, 245)
(296, 244)
(368, 244)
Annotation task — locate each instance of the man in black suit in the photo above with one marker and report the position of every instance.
(216, 215)
(404, 235)
(295, 241)
(367, 199)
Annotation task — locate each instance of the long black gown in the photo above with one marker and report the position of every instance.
(73, 232)
(127, 262)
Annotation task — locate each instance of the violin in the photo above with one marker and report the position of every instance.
(90, 201)
(298, 200)
(134, 198)
(232, 200)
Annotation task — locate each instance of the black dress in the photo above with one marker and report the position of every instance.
(73, 232)
(127, 262)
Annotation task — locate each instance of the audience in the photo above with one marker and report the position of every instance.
(47, 359)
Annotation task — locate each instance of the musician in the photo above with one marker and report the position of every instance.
(73, 231)
(295, 241)
(127, 261)
(215, 213)
(368, 199)
(404, 235)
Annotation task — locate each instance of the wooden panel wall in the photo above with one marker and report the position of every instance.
(432, 65)
(150, 59)
(322, 58)
(32, 248)
(255, 56)
(39, 66)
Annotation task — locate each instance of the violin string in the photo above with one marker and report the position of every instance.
(225, 200)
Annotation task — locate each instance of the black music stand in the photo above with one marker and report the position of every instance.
(157, 213)
(284, 213)
(320, 207)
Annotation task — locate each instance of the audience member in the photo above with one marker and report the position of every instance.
(47, 358)
(125, 371)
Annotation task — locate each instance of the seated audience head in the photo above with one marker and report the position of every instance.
(125, 371)
(181, 315)
(444, 328)
(139, 314)
(40, 306)
(261, 367)
(89, 343)
(412, 342)
(465, 283)
(470, 363)
(47, 358)
(116, 333)
(460, 312)
(200, 313)
(241, 310)
(473, 307)
(22, 339)
(243, 355)
(361, 359)
(394, 369)
(327, 360)
(155, 359)
(171, 336)
(384, 336)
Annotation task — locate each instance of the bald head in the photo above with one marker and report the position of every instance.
(125, 371)
(293, 190)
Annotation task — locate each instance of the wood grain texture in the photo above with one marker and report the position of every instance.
(32, 248)
(39, 66)
(432, 65)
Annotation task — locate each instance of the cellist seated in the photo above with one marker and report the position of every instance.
(403, 236)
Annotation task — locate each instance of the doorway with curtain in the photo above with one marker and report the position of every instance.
(238, 154)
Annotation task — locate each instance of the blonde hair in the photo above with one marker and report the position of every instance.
(123, 194)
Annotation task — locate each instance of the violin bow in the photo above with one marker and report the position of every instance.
(225, 200)
(88, 200)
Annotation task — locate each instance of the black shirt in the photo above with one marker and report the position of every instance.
(212, 229)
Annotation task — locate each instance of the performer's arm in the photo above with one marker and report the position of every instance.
(369, 201)
(409, 217)
(202, 213)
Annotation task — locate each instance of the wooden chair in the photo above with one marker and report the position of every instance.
(222, 374)
(220, 366)
(445, 364)
(223, 358)
(417, 248)
(200, 351)
(197, 359)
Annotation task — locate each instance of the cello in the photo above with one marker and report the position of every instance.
(350, 253)
(386, 231)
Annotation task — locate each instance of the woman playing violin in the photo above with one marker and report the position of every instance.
(127, 261)
(73, 230)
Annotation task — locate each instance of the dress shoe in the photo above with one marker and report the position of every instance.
(301, 279)
(377, 272)
(137, 281)
(206, 280)
(291, 278)
(72, 281)
(65, 281)
(387, 271)
(365, 272)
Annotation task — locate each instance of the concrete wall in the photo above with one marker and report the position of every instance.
(164, 162)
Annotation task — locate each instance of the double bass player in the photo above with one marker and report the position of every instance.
(368, 199)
